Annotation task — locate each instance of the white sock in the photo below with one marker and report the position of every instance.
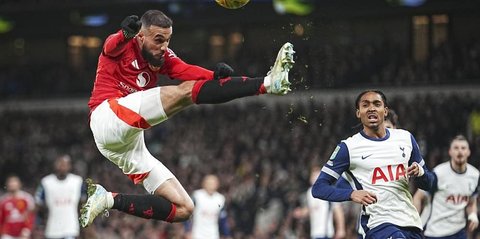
(109, 200)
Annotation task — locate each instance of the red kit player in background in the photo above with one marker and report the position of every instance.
(16, 211)
(126, 101)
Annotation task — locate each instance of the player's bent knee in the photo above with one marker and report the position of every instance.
(184, 212)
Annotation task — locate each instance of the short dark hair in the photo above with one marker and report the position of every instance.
(392, 117)
(357, 101)
(156, 18)
(459, 137)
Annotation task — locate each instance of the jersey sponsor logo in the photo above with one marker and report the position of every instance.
(457, 199)
(143, 79)
(127, 88)
(388, 174)
(364, 157)
(135, 64)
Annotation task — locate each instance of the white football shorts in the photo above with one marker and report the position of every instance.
(117, 126)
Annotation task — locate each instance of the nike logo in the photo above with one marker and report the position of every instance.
(364, 157)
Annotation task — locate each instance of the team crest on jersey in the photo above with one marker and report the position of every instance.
(403, 151)
(143, 79)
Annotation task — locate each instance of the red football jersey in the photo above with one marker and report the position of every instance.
(16, 213)
(123, 70)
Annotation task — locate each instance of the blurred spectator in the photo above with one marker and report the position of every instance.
(16, 211)
(60, 194)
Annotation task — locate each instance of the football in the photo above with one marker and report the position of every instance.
(232, 4)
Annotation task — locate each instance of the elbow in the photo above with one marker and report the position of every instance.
(317, 192)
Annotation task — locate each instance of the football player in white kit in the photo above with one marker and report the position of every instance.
(379, 162)
(209, 216)
(61, 193)
(327, 219)
(452, 197)
(391, 122)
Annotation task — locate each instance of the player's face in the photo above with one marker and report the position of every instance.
(63, 166)
(13, 184)
(210, 183)
(154, 42)
(372, 111)
(459, 151)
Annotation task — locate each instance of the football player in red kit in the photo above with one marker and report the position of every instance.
(16, 211)
(126, 101)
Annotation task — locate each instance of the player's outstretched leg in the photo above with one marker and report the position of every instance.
(276, 82)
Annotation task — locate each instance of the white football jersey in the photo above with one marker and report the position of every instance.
(380, 166)
(206, 214)
(62, 198)
(446, 214)
(321, 216)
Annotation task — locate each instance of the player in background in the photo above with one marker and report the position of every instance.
(327, 219)
(16, 211)
(378, 162)
(125, 101)
(60, 194)
(450, 207)
(209, 218)
(391, 122)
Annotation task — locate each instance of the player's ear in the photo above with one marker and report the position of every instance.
(386, 111)
(141, 35)
(357, 113)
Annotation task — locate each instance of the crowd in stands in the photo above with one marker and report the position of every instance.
(320, 66)
(261, 152)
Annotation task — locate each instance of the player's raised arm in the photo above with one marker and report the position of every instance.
(115, 43)
(423, 178)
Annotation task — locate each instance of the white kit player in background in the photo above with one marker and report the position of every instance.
(327, 219)
(452, 197)
(60, 193)
(209, 217)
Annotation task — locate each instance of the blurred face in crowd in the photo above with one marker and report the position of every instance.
(153, 41)
(211, 183)
(371, 111)
(459, 152)
(314, 175)
(13, 184)
(63, 166)
(389, 125)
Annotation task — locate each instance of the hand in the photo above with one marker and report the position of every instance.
(130, 26)
(472, 226)
(363, 197)
(472, 221)
(415, 170)
(222, 70)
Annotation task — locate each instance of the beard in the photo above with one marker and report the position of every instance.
(151, 58)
